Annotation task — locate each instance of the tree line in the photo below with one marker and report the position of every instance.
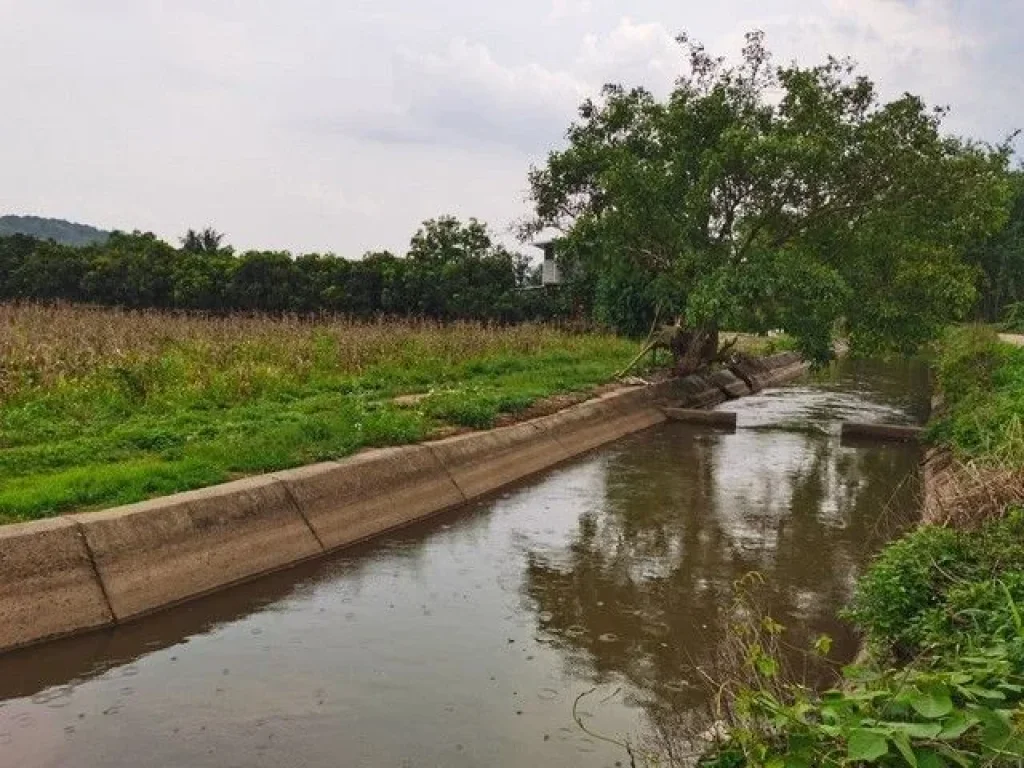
(453, 270)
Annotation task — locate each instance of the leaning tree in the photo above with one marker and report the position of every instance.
(769, 196)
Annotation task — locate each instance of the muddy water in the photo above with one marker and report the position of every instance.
(465, 641)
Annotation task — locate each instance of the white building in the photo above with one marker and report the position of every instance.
(550, 274)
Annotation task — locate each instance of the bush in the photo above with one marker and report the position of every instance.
(946, 589)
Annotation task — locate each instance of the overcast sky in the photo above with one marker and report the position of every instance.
(339, 125)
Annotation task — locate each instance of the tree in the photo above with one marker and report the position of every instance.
(208, 240)
(130, 270)
(1000, 259)
(783, 197)
(265, 281)
(457, 271)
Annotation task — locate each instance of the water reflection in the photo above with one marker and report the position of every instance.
(644, 588)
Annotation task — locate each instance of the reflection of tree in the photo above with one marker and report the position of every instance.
(645, 587)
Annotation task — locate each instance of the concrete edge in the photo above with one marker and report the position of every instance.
(72, 574)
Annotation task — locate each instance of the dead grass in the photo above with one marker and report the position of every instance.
(47, 346)
(966, 494)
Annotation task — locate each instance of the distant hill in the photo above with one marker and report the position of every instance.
(65, 232)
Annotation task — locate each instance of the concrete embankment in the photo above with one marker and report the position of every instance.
(85, 571)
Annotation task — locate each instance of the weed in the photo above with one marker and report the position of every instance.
(943, 588)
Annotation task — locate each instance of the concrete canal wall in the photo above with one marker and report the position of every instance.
(85, 571)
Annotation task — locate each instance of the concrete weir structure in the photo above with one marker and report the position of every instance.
(85, 571)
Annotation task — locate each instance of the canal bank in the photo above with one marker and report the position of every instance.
(82, 572)
(464, 639)
(941, 678)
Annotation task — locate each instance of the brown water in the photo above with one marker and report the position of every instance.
(464, 641)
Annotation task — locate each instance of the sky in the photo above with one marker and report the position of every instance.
(340, 125)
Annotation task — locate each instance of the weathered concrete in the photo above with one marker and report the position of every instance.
(589, 425)
(89, 570)
(48, 586)
(483, 461)
(725, 419)
(638, 407)
(160, 552)
(371, 492)
(759, 373)
(730, 384)
(697, 391)
(890, 432)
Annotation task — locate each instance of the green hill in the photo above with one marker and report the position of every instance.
(65, 232)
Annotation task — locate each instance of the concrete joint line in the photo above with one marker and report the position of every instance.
(430, 447)
(550, 433)
(80, 530)
(298, 509)
(554, 436)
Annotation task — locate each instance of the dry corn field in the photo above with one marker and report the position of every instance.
(45, 346)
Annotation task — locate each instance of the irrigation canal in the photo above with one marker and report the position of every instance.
(465, 641)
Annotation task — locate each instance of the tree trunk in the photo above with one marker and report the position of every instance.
(694, 348)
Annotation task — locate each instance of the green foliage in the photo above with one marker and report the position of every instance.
(1013, 317)
(453, 271)
(1000, 262)
(942, 588)
(954, 711)
(759, 197)
(982, 381)
(948, 608)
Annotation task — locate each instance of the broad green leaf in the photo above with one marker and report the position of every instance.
(997, 727)
(984, 693)
(931, 701)
(902, 742)
(956, 725)
(866, 745)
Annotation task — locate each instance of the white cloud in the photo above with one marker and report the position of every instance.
(567, 9)
(923, 47)
(463, 93)
(633, 54)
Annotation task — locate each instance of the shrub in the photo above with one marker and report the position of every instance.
(937, 587)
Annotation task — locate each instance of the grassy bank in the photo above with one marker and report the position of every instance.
(940, 610)
(982, 384)
(101, 407)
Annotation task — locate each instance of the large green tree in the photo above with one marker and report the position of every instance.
(771, 197)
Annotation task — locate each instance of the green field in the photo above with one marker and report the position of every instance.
(101, 407)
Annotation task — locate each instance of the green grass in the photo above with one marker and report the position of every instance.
(982, 382)
(194, 410)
